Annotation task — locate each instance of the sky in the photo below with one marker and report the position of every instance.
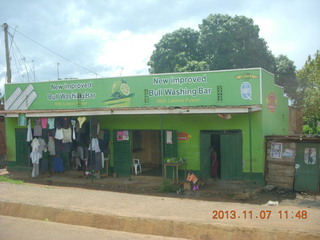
(109, 38)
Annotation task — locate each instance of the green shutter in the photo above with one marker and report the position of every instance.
(231, 156)
(22, 151)
(170, 149)
(122, 155)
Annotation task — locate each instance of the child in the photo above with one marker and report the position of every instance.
(192, 178)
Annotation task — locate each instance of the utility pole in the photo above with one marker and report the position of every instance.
(5, 28)
(58, 77)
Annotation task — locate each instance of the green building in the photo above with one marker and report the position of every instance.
(156, 117)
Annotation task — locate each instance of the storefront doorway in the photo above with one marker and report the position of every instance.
(228, 146)
(149, 146)
(146, 146)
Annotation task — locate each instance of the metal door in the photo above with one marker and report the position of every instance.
(22, 149)
(307, 167)
(122, 152)
(231, 156)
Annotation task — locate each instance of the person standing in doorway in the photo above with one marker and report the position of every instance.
(214, 163)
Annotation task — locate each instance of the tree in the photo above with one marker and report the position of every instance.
(309, 93)
(285, 75)
(223, 42)
(233, 42)
(174, 50)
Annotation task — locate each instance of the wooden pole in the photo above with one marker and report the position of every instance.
(5, 28)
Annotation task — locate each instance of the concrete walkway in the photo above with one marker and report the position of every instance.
(171, 217)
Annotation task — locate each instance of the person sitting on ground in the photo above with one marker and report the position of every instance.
(193, 178)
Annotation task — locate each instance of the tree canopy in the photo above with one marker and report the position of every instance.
(285, 75)
(222, 42)
(233, 42)
(175, 50)
(309, 93)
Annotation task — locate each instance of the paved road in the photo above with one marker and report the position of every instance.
(159, 215)
(21, 228)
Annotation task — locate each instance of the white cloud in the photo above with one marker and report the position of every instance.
(129, 52)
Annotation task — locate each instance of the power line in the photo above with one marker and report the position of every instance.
(56, 53)
(22, 60)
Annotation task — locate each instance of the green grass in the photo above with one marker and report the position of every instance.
(10, 180)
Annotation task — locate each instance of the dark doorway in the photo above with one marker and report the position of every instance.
(228, 145)
(146, 146)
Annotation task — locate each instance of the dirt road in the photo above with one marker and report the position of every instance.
(27, 229)
(172, 217)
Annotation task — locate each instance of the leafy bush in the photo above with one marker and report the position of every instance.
(167, 187)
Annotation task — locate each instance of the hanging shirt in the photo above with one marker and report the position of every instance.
(95, 145)
(81, 120)
(29, 132)
(51, 146)
(73, 123)
(42, 146)
(35, 145)
(51, 123)
(59, 134)
(35, 157)
(67, 133)
(98, 128)
(37, 130)
(44, 122)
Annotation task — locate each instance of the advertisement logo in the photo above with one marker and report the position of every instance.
(272, 102)
(246, 76)
(21, 100)
(246, 91)
(121, 94)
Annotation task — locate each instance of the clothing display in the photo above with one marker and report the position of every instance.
(35, 145)
(58, 164)
(44, 123)
(51, 146)
(95, 145)
(62, 136)
(29, 132)
(59, 134)
(51, 123)
(42, 146)
(73, 123)
(67, 135)
(37, 130)
(81, 120)
(35, 157)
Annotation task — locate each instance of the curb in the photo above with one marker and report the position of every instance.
(149, 226)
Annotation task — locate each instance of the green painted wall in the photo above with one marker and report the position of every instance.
(275, 119)
(265, 122)
(193, 124)
(11, 125)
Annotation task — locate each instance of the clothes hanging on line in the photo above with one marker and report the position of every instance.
(37, 130)
(29, 132)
